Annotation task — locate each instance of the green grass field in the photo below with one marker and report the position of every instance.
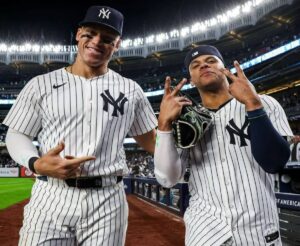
(14, 190)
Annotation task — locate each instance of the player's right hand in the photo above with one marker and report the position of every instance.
(171, 105)
(53, 165)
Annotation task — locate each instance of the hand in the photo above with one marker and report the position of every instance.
(242, 89)
(171, 105)
(295, 139)
(53, 165)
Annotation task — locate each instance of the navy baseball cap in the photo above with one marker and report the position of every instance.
(106, 16)
(199, 51)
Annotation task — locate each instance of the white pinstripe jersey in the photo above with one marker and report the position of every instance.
(92, 116)
(231, 195)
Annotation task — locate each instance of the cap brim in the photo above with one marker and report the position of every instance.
(83, 23)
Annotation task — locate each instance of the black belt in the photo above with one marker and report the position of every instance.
(83, 182)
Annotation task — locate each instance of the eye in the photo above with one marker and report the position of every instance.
(87, 35)
(106, 40)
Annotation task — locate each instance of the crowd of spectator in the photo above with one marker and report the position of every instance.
(288, 98)
(140, 164)
(152, 78)
(6, 161)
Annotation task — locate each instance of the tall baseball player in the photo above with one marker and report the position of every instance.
(81, 115)
(232, 165)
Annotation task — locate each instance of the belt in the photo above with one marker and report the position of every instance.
(83, 182)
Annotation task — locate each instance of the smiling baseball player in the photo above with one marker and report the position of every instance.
(81, 115)
(231, 183)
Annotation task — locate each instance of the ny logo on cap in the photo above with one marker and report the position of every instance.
(104, 13)
(195, 53)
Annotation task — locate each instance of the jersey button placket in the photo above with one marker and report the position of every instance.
(87, 111)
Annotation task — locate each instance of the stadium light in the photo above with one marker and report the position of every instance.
(138, 42)
(224, 17)
(36, 48)
(150, 39)
(174, 33)
(258, 2)
(247, 7)
(126, 43)
(13, 48)
(234, 13)
(161, 37)
(184, 31)
(3, 47)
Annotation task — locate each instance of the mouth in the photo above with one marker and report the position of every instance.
(207, 73)
(94, 50)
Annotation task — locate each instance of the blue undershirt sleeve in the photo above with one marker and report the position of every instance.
(269, 149)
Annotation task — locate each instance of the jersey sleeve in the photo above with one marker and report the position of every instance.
(24, 116)
(144, 117)
(277, 115)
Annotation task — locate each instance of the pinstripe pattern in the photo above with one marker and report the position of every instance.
(231, 195)
(77, 113)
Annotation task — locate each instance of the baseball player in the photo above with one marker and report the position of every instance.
(81, 115)
(231, 183)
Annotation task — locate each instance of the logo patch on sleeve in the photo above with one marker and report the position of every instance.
(271, 237)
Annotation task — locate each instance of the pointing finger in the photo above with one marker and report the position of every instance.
(167, 85)
(228, 74)
(238, 68)
(79, 160)
(56, 150)
(178, 87)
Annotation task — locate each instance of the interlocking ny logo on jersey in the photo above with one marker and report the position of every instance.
(234, 130)
(104, 13)
(117, 104)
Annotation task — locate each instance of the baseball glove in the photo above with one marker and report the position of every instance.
(191, 125)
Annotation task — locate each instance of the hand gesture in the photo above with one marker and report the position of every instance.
(53, 165)
(242, 89)
(171, 105)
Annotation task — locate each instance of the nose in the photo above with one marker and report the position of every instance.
(97, 39)
(204, 65)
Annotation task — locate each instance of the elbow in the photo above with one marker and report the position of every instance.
(165, 180)
(277, 162)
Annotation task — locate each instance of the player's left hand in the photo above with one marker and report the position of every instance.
(242, 89)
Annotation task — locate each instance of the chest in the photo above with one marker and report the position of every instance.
(77, 99)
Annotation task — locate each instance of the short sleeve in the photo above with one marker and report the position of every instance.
(144, 117)
(276, 115)
(24, 116)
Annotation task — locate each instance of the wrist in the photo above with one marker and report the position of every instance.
(31, 164)
(254, 104)
(257, 113)
(164, 125)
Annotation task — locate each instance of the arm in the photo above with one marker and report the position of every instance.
(147, 140)
(269, 149)
(168, 166)
(22, 150)
(20, 147)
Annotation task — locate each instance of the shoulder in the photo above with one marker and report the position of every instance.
(48, 77)
(269, 102)
(131, 83)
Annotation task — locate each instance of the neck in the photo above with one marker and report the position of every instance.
(86, 71)
(212, 100)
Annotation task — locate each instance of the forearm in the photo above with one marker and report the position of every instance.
(20, 147)
(168, 166)
(269, 149)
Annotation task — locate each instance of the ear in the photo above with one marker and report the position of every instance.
(117, 45)
(78, 34)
